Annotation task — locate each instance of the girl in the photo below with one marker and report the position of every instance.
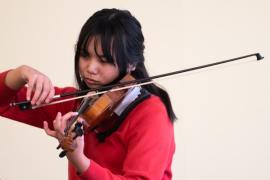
(139, 144)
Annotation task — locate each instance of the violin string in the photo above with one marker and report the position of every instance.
(92, 94)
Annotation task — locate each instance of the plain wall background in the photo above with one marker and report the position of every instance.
(223, 127)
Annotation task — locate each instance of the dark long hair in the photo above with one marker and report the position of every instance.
(122, 42)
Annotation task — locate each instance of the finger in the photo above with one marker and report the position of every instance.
(67, 117)
(48, 131)
(83, 121)
(57, 122)
(45, 91)
(38, 89)
(51, 94)
(60, 122)
(30, 87)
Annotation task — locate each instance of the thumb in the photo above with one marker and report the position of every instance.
(48, 131)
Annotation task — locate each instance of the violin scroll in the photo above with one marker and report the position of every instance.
(67, 142)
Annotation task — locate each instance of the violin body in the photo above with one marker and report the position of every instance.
(102, 108)
(98, 110)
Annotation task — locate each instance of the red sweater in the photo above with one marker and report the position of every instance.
(141, 148)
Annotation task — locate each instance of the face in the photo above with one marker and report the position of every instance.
(94, 70)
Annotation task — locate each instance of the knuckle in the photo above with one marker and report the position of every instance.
(46, 89)
(38, 87)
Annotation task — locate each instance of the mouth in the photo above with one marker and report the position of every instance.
(91, 82)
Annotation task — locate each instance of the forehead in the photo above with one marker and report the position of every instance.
(101, 46)
(94, 44)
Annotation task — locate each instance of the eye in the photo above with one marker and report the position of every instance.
(84, 53)
(103, 59)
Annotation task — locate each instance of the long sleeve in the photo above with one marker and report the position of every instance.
(142, 147)
(6, 94)
(32, 117)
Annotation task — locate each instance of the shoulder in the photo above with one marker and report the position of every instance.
(149, 125)
(152, 106)
(150, 114)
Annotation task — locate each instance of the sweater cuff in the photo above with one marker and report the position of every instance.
(5, 91)
(94, 172)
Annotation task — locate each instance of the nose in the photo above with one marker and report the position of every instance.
(93, 66)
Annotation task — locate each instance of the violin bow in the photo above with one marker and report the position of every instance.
(24, 105)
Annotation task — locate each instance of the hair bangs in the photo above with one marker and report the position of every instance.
(105, 40)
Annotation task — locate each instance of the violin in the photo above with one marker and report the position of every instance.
(94, 110)
(98, 104)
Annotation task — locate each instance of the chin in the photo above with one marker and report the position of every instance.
(93, 86)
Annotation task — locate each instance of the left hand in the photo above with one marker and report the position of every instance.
(77, 157)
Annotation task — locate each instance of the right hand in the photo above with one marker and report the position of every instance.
(40, 88)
